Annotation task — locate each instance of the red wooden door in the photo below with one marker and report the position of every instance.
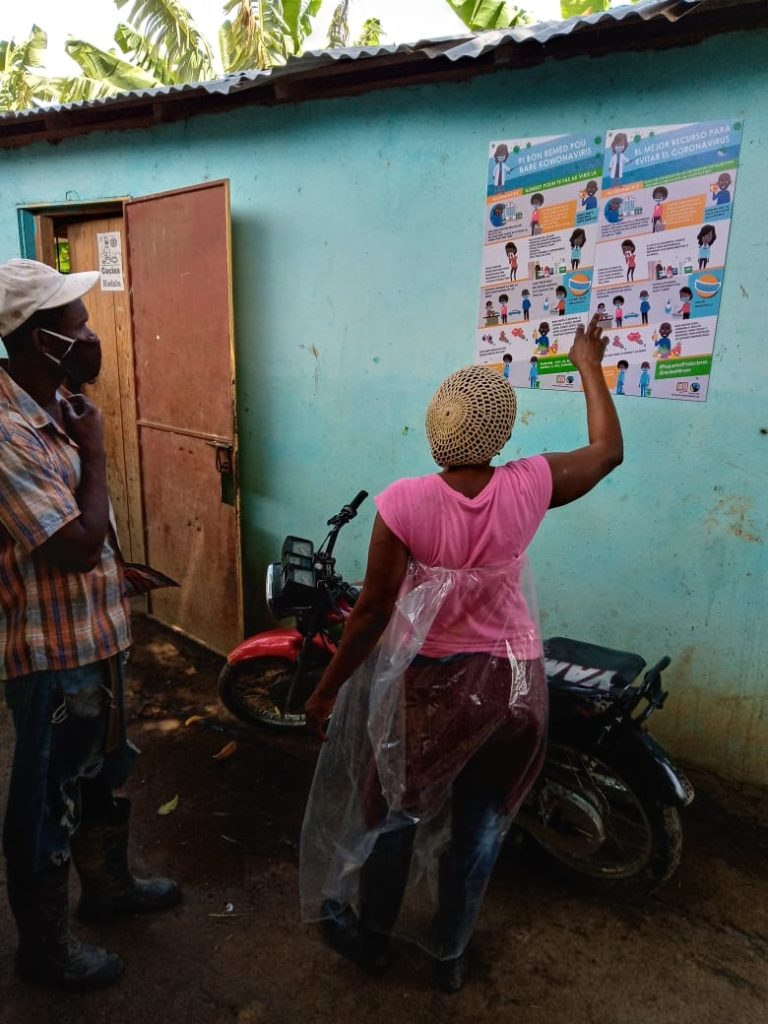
(181, 306)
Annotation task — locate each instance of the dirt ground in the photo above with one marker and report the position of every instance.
(235, 950)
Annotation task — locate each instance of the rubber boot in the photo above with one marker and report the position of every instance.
(450, 975)
(47, 954)
(366, 949)
(108, 889)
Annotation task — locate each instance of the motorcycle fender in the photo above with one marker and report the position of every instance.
(647, 755)
(276, 643)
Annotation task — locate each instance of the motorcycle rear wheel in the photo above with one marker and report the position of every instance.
(643, 833)
(251, 690)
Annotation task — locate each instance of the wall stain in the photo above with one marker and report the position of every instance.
(527, 416)
(744, 291)
(724, 731)
(732, 512)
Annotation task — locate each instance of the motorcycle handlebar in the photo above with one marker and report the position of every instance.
(348, 511)
(659, 667)
(358, 500)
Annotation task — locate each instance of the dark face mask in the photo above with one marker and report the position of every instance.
(81, 361)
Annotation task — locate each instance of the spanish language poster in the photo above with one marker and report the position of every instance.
(632, 226)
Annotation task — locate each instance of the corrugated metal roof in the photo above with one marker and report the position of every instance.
(453, 48)
(315, 72)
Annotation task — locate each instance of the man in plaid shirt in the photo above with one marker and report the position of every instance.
(64, 628)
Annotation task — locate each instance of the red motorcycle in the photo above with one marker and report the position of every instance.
(269, 677)
(606, 806)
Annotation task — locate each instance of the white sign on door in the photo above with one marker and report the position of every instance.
(110, 261)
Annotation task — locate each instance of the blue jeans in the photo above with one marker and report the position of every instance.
(70, 751)
(477, 834)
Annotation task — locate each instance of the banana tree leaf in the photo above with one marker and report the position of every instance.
(484, 15)
(581, 8)
(168, 25)
(107, 67)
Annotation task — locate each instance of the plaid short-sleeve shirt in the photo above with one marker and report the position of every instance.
(49, 619)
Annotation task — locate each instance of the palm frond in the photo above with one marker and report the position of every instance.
(483, 15)
(371, 33)
(145, 54)
(77, 89)
(106, 66)
(257, 37)
(168, 25)
(20, 87)
(338, 30)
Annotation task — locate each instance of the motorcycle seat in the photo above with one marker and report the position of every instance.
(574, 663)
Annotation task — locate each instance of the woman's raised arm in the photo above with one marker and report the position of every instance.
(575, 473)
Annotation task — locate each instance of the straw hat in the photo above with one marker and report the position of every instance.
(470, 417)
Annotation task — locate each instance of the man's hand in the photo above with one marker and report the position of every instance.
(84, 424)
(588, 346)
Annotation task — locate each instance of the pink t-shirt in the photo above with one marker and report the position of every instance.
(441, 527)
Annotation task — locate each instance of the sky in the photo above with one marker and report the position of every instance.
(404, 21)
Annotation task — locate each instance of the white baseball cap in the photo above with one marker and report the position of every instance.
(27, 286)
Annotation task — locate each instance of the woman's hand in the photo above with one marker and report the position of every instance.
(318, 710)
(588, 346)
(387, 565)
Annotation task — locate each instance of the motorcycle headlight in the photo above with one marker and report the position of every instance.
(273, 584)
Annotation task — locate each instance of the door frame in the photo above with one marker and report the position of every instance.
(35, 221)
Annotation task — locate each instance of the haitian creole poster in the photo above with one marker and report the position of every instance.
(633, 226)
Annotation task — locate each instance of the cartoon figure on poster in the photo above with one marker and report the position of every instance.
(526, 303)
(537, 201)
(645, 379)
(686, 297)
(664, 342)
(497, 216)
(659, 195)
(533, 372)
(623, 366)
(589, 196)
(613, 212)
(706, 239)
(619, 159)
(542, 341)
(628, 249)
(721, 195)
(645, 306)
(501, 169)
(511, 250)
(577, 241)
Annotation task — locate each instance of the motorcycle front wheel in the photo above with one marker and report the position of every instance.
(611, 829)
(255, 691)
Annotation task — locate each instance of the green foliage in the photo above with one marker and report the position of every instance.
(338, 30)
(21, 87)
(371, 33)
(483, 15)
(257, 37)
(108, 68)
(168, 24)
(581, 8)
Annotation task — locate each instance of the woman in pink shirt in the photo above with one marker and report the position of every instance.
(426, 766)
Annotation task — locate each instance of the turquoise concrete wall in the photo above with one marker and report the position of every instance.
(357, 229)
